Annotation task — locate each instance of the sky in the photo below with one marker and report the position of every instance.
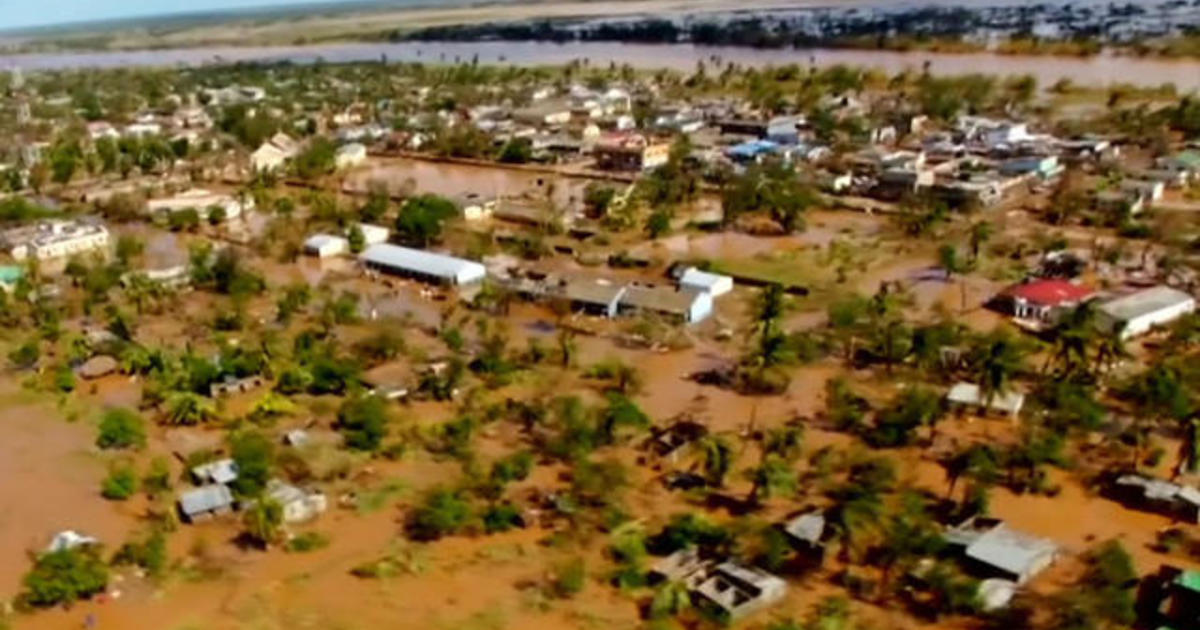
(23, 13)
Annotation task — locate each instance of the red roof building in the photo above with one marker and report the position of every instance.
(1044, 300)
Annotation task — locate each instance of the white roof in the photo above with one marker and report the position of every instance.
(205, 499)
(317, 241)
(1012, 551)
(1144, 302)
(425, 263)
(693, 277)
(219, 471)
(970, 394)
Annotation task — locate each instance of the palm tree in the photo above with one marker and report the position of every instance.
(996, 361)
(716, 456)
(953, 264)
(981, 233)
(773, 476)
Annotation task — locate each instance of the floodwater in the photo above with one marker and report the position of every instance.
(1097, 70)
(454, 180)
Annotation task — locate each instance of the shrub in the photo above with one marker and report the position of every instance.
(569, 578)
(121, 483)
(308, 541)
(501, 518)
(149, 554)
(62, 577)
(444, 512)
(121, 428)
(363, 422)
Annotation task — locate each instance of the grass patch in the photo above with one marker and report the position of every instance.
(370, 501)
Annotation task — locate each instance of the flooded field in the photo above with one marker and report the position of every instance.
(1098, 70)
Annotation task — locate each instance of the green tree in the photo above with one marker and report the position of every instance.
(421, 218)
(443, 512)
(356, 239)
(716, 456)
(363, 422)
(254, 455)
(120, 484)
(121, 428)
(316, 160)
(62, 577)
(188, 409)
(263, 522)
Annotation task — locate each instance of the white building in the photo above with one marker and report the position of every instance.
(422, 265)
(1137, 313)
(326, 245)
(203, 201)
(298, 505)
(350, 155)
(712, 283)
(54, 239)
(373, 234)
(274, 153)
(142, 129)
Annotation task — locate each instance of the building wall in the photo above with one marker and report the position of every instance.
(1142, 325)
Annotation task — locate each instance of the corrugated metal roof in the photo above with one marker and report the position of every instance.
(425, 263)
(1012, 551)
(205, 499)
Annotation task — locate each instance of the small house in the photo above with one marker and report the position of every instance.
(206, 502)
(374, 234)
(221, 471)
(970, 396)
(70, 539)
(997, 551)
(298, 505)
(1043, 301)
(737, 591)
(712, 283)
(1157, 495)
(807, 530)
(326, 245)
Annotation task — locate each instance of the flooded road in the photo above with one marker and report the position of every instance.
(1098, 70)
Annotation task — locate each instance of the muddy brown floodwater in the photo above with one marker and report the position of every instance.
(1097, 70)
(455, 180)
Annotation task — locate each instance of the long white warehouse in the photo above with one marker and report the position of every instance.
(1135, 314)
(421, 265)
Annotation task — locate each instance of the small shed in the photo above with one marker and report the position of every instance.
(969, 395)
(374, 234)
(326, 245)
(206, 502)
(221, 471)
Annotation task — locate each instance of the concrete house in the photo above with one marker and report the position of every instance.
(422, 265)
(205, 503)
(274, 153)
(198, 199)
(298, 505)
(738, 591)
(221, 471)
(712, 283)
(1139, 312)
(627, 151)
(54, 239)
(326, 245)
(1043, 301)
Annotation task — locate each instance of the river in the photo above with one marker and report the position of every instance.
(1099, 70)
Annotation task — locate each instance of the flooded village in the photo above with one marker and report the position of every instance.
(457, 344)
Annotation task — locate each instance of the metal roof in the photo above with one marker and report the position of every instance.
(425, 263)
(693, 277)
(205, 499)
(970, 394)
(1144, 302)
(1010, 550)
